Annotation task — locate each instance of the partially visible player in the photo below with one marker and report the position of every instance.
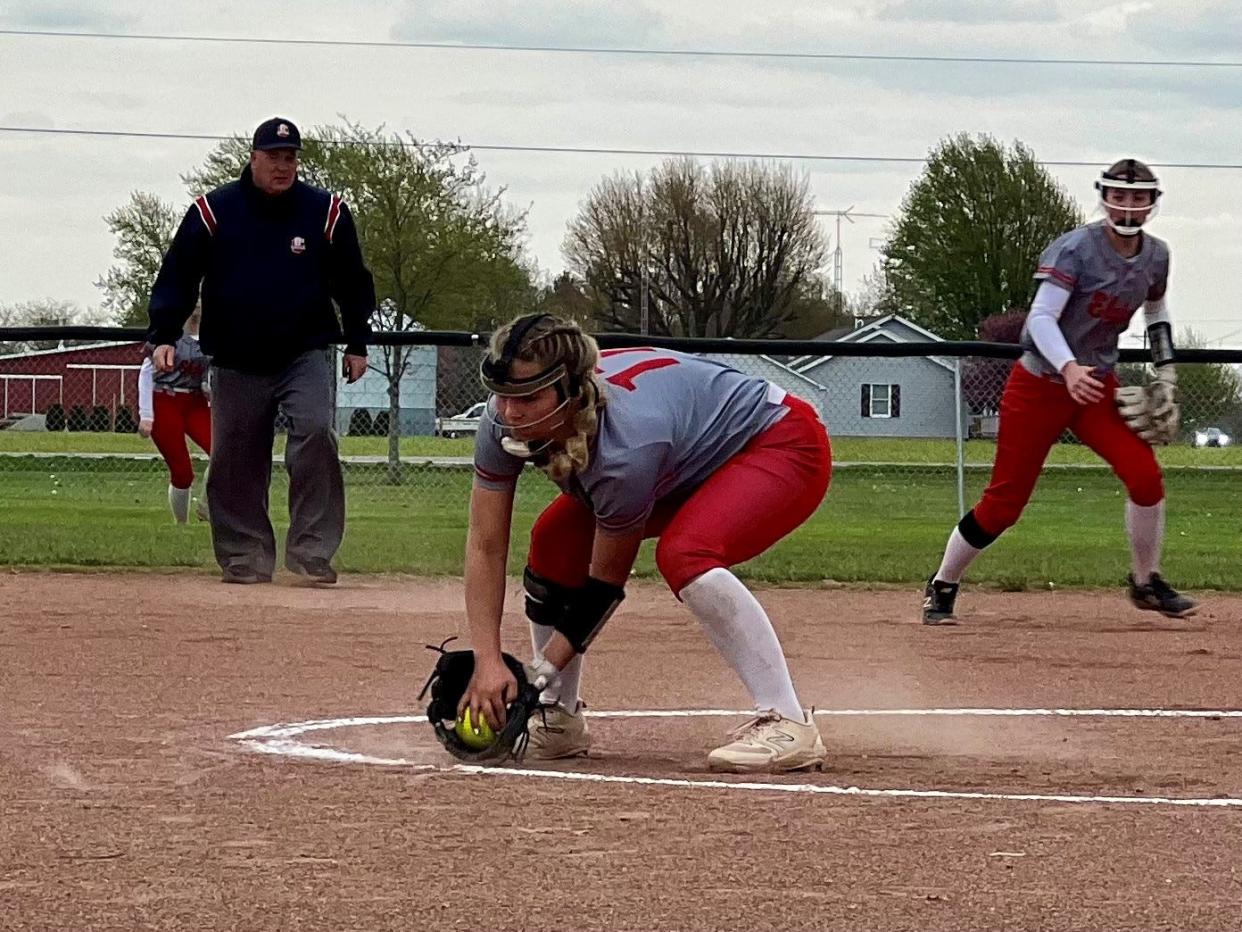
(1092, 281)
(174, 405)
(642, 443)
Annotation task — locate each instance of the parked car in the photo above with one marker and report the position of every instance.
(465, 424)
(1211, 437)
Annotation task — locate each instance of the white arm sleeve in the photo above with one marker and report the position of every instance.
(146, 391)
(1157, 312)
(1043, 323)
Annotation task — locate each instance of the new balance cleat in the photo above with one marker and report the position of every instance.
(557, 733)
(769, 743)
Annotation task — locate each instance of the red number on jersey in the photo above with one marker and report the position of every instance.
(625, 378)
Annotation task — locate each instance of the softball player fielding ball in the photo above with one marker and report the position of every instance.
(1092, 281)
(642, 443)
(173, 406)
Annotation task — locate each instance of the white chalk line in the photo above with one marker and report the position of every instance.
(279, 739)
(290, 730)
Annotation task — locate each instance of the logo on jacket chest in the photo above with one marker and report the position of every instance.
(297, 246)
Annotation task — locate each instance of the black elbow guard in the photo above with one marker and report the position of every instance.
(589, 611)
(1160, 336)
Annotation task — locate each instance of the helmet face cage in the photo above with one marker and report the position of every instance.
(1128, 175)
(497, 378)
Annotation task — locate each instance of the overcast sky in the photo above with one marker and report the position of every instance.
(56, 189)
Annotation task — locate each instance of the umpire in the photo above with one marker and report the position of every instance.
(271, 254)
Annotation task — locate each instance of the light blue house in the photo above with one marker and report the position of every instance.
(872, 396)
(418, 391)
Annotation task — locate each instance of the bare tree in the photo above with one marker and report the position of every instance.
(733, 250)
(46, 312)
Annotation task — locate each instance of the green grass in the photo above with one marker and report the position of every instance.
(878, 524)
(845, 449)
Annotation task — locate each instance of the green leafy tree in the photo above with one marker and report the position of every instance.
(969, 235)
(730, 250)
(143, 229)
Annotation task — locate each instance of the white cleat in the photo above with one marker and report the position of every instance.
(769, 743)
(557, 733)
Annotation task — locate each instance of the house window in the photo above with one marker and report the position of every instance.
(881, 400)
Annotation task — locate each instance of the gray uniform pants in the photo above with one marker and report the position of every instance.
(243, 416)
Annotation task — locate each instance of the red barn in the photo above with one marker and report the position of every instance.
(82, 376)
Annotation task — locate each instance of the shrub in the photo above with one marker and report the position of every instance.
(101, 419)
(55, 417)
(360, 423)
(125, 423)
(76, 419)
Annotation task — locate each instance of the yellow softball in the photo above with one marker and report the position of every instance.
(475, 735)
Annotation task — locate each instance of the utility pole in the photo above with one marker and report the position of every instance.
(838, 256)
(642, 299)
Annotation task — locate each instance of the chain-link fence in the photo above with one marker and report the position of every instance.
(913, 426)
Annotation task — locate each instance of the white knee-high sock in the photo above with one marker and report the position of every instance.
(958, 555)
(179, 502)
(564, 692)
(739, 628)
(1145, 526)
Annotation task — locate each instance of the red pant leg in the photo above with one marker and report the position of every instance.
(757, 497)
(561, 541)
(1101, 427)
(1034, 412)
(168, 432)
(198, 420)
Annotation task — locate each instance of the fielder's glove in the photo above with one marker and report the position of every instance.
(1151, 410)
(448, 683)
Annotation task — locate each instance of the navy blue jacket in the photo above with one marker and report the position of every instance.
(270, 268)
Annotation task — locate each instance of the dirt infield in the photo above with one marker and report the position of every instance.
(125, 804)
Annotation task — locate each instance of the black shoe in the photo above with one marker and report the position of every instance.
(938, 599)
(316, 569)
(1159, 596)
(243, 576)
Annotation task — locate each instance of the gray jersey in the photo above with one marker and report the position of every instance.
(1105, 290)
(670, 421)
(189, 369)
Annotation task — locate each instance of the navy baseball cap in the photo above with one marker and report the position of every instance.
(277, 133)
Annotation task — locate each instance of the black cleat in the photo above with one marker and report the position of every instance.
(1159, 596)
(938, 599)
(316, 569)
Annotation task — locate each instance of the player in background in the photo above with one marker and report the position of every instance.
(1092, 280)
(174, 405)
(642, 443)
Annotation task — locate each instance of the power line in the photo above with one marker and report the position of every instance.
(604, 150)
(648, 52)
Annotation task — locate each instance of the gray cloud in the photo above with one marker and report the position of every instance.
(972, 12)
(1214, 30)
(533, 22)
(84, 16)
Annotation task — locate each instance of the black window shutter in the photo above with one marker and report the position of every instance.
(894, 402)
(866, 401)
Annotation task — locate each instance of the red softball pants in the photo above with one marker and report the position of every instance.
(755, 498)
(1035, 410)
(177, 416)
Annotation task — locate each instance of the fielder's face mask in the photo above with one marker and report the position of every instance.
(498, 378)
(1132, 176)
